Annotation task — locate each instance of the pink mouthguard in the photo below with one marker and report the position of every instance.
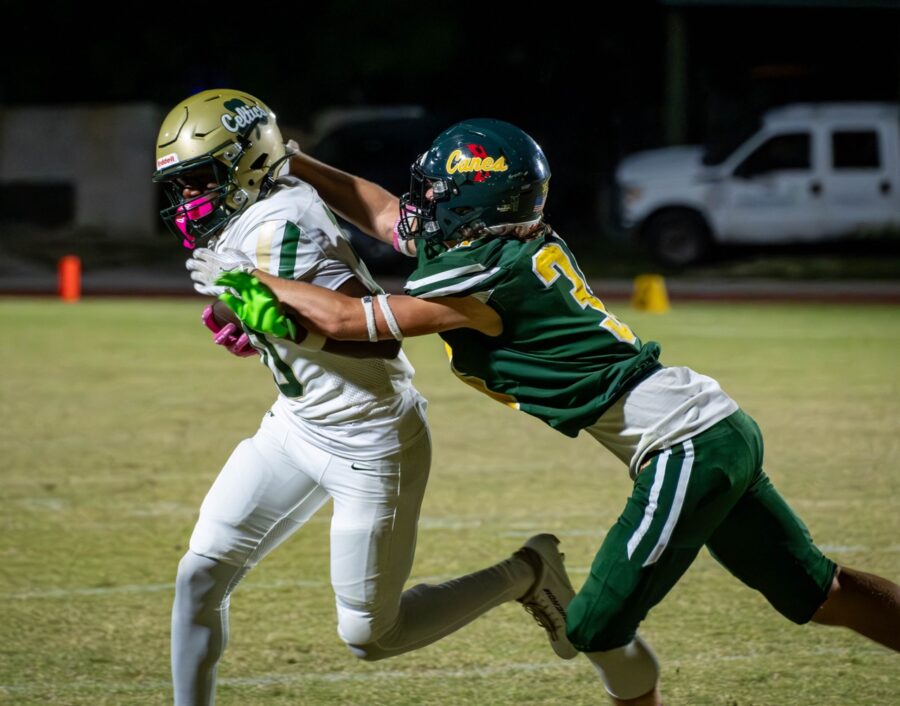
(192, 211)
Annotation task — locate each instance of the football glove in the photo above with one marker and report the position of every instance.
(230, 336)
(255, 305)
(207, 266)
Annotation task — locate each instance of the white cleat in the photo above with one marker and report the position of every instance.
(549, 597)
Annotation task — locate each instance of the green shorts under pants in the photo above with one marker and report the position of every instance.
(709, 490)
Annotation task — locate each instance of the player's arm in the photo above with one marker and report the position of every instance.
(366, 205)
(207, 266)
(341, 317)
(359, 349)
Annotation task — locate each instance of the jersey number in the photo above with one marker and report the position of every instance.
(550, 262)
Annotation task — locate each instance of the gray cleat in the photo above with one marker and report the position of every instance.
(549, 597)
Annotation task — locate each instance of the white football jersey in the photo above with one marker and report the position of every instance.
(358, 408)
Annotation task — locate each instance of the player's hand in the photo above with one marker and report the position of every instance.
(255, 305)
(230, 336)
(207, 266)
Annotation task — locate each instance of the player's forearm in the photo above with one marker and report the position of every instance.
(344, 318)
(368, 206)
(321, 310)
(333, 325)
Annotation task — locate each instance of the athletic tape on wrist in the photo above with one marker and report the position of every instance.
(369, 309)
(401, 245)
(389, 316)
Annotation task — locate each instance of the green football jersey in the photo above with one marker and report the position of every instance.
(562, 356)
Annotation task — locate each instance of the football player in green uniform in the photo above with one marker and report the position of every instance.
(506, 294)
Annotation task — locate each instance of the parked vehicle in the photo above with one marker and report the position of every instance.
(812, 172)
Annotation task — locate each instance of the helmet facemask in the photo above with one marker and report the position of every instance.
(197, 217)
(426, 205)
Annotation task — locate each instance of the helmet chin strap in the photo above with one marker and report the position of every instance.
(268, 182)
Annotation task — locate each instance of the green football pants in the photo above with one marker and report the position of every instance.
(707, 490)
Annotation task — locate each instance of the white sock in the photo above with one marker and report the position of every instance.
(200, 626)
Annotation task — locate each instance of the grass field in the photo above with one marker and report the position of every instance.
(116, 416)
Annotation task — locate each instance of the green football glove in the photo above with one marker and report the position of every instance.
(256, 305)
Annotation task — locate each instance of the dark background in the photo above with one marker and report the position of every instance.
(589, 87)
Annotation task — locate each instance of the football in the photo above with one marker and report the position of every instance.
(223, 315)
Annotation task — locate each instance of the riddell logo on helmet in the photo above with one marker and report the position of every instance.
(167, 160)
(244, 115)
(456, 162)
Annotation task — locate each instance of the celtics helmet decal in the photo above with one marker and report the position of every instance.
(217, 153)
(480, 176)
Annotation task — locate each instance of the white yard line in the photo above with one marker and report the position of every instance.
(150, 588)
(295, 678)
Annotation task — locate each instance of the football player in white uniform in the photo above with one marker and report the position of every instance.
(347, 424)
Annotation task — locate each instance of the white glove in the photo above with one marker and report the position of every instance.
(207, 266)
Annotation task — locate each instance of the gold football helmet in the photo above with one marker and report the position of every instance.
(217, 153)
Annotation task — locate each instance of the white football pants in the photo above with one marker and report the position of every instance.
(269, 487)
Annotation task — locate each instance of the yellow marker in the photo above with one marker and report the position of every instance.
(650, 294)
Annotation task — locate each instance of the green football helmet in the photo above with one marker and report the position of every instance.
(479, 177)
(223, 144)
